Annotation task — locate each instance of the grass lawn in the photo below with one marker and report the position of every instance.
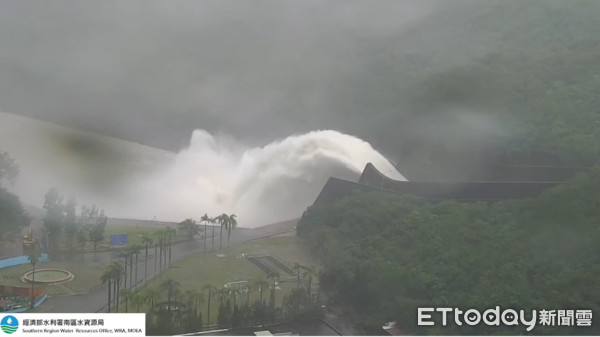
(87, 277)
(134, 235)
(201, 269)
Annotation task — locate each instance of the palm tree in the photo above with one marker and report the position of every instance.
(146, 241)
(231, 225)
(248, 290)
(116, 272)
(170, 286)
(125, 254)
(33, 259)
(193, 297)
(106, 277)
(261, 285)
(159, 243)
(210, 289)
(274, 277)
(205, 219)
(172, 234)
(152, 295)
(135, 250)
(126, 294)
(137, 299)
(213, 221)
(223, 220)
(297, 267)
(155, 251)
(309, 272)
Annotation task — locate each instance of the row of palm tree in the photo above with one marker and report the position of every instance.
(227, 222)
(112, 276)
(163, 243)
(167, 303)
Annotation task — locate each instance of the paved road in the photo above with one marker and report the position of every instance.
(96, 299)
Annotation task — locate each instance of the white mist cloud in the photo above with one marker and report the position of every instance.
(263, 184)
(214, 174)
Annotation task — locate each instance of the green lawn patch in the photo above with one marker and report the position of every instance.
(87, 277)
(202, 269)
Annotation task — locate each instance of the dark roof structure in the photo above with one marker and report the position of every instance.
(372, 180)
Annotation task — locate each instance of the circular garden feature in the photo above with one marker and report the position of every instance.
(49, 276)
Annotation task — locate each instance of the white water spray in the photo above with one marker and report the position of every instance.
(260, 185)
(213, 175)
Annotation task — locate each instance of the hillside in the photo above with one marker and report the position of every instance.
(88, 166)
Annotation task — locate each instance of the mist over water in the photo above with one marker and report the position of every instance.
(261, 185)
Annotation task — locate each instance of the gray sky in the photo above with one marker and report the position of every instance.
(152, 71)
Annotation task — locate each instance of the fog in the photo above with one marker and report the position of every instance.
(212, 106)
(153, 71)
(214, 174)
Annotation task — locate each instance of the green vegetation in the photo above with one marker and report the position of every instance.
(385, 256)
(12, 215)
(197, 286)
(87, 277)
(520, 75)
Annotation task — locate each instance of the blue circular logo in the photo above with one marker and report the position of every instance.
(9, 324)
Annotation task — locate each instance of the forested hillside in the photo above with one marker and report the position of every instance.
(522, 75)
(425, 76)
(385, 256)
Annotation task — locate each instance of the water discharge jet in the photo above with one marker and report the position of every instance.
(214, 174)
(262, 184)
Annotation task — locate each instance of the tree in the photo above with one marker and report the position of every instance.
(274, 277)
(224, 315)
(157, 244)
(106, 278)
(210, 289)
(309, 273)
(151, 296)
(112, 274)
(12, 215)
(82, 237)
(205, 219)
(70, 222)
(130, 253)
(170, 286)
(33, 260)
(98, 227)
(9, 169)
(188, 228)
(172, 234)
(261, 285)
(213, 221)
(54, 218)
(125, 255)
(193, 317)
(137, 299)
(231, 224)
(223, 221)
(297, 267)
(126, 294)
(117, 273)
(146, 241)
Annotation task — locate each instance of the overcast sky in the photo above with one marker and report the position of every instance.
(152, 71)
